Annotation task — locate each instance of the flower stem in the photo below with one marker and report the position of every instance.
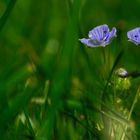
(130, 112)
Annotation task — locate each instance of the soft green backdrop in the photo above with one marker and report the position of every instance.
(51, 85)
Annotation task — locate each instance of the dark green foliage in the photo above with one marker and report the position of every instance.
(52, 87)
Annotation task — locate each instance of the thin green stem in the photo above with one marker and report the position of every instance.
(130, 112)
(104, 55)
(134, 102)
(104, 94)
(110, 74)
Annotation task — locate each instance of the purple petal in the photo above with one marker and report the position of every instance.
(90, 42)
(112, 34)
(121, 72)
(134, 36)
(98, 32)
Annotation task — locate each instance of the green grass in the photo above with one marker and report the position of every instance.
(52, 87)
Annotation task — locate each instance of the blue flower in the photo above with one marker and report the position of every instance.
(99, 36)
(121, 72)
(134, 35)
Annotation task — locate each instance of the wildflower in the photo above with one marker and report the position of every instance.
(99, 36)
(121, 72)
(134, 35)
(122, 82)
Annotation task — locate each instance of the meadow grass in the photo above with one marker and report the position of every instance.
(52, 87)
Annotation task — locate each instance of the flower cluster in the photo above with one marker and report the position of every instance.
(102, 36)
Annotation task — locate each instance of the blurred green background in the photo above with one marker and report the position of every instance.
(51, 85)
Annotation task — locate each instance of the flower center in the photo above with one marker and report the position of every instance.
(136, 36)
(104, 31)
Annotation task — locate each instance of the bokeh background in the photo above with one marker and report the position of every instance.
(51, 85)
